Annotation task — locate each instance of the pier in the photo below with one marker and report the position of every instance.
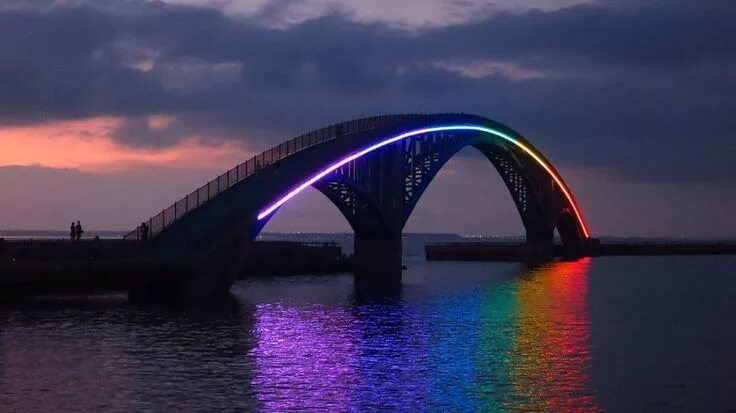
(93, 266)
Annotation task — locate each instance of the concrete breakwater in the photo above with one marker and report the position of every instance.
(62, 266)
(29, 267)
(274, 258)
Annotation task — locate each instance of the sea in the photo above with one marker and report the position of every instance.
(618, 334)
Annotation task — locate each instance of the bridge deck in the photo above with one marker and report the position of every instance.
(208, 191)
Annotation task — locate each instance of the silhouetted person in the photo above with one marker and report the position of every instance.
(72, 232)
(144, 231)
(78, 230)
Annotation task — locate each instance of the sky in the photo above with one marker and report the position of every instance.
(112, 110)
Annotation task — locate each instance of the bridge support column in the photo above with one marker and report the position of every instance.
(204, 278)
(541, 245)
(377, 259)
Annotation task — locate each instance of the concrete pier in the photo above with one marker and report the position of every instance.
(33, 267)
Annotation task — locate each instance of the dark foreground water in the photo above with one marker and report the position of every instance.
(618, 334)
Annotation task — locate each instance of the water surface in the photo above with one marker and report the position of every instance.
(614, 334)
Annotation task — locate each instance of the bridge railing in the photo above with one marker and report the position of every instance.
(201, 195)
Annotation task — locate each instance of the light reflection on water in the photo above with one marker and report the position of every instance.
(623, 334)
(520, 343)
(550, 353)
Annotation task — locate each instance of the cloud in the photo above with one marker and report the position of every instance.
(640, 88)
(88, 145)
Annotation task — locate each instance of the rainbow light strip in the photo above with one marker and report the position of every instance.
(332, 167)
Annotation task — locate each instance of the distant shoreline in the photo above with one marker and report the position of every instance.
(11, 234)
(519, 251)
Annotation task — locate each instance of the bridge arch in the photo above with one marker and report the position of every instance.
(374, 170)
(420, 154)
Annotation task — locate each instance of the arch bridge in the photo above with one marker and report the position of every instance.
(374, 170)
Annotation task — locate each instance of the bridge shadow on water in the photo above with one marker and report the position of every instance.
(377, 286)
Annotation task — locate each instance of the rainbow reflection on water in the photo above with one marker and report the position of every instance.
(520, 343)
(550, 367)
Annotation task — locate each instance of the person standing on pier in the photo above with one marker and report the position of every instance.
(144, 231)
(72, 232)
(78, 230)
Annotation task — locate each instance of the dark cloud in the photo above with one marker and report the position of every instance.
(643, 87)
(653, 33)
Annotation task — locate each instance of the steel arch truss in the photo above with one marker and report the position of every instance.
(378, 192)
(355, 204)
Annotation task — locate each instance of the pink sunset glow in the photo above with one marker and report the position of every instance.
(87, 145)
